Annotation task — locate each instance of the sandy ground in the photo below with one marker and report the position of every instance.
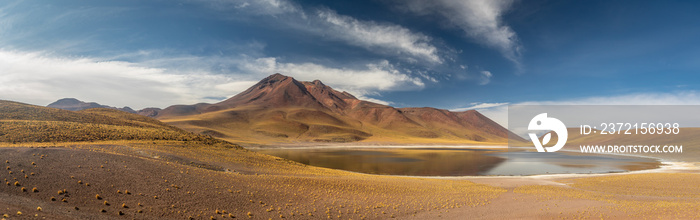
(173, 182)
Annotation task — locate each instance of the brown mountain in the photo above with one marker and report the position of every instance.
(73, 104)
(280, 109)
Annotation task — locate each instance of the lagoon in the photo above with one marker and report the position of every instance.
(438, 161)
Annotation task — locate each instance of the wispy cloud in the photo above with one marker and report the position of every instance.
(361, 82)
(379, 37)
(485, 77)
(256, 7)
(480, 20)
(499, 111)
(38, 78)
(677, 98)
(479, 105)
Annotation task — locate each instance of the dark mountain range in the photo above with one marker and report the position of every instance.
(73, 104)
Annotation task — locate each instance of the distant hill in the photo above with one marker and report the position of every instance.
(280, 109)
(21, 123)
(73, 104)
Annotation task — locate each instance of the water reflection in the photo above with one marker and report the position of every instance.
(459, 161)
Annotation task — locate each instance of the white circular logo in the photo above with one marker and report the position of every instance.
(543, 123)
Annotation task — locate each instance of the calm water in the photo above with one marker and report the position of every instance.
(460, 162)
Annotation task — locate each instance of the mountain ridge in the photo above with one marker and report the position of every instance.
(73, 104)
(280, 109)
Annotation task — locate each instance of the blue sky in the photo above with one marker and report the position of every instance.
(445, 54)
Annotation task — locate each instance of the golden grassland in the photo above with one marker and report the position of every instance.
(195, 168)
(235, 181)
(667, 195)
(26, 123)
(99, 164)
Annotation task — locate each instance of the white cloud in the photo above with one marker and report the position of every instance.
(379, 76)
(378, 101)
(256, 7)
(37, 78)
(379, 37)
(40, 79)
(479, 19)
(479, 106)
(499, 111)
(485, 77)
(679, 98)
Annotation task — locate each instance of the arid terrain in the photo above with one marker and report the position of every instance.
(108, 164)
(281, 110)
(170, 180)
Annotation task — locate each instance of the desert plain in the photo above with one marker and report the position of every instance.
(108, 164)
(171, 180)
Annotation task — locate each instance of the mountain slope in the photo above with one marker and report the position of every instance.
(280, 109)
(73, 104)
(21, 122)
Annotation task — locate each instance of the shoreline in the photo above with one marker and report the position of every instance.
(307, 147)
(665, 165)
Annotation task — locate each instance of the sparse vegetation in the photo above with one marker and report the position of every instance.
(23, 123)
(263, 187)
